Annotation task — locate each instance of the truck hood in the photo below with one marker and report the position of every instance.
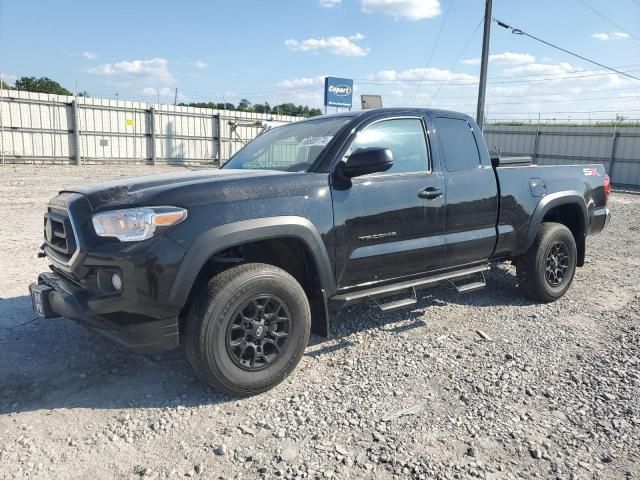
(153, 189)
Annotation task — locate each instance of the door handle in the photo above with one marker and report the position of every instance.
(430, 193)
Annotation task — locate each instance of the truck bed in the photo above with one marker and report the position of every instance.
(529, 192)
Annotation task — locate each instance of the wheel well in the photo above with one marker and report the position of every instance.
(288, 253)
(570, 215)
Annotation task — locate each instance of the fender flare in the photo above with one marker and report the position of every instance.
(548, 202)
(237, 233)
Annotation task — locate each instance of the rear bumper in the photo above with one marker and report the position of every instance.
(601, 218)
(136, 332)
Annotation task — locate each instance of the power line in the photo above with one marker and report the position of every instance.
(368, 81)
(437, 82)
(598, 71)
(458, 59)
(518, 31)
(567, 112)
(568, 100)
(433, 49)
(602, 15)
(192, 97)
(528, 95)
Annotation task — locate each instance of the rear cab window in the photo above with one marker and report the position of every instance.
(458, 144)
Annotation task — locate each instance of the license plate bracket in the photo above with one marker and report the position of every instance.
(40, 300)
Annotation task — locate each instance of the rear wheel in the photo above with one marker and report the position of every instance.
(247, 330)
(546, 271)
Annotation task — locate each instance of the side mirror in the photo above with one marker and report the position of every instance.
(366, 160)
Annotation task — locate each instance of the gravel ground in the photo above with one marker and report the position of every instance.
(485, 385)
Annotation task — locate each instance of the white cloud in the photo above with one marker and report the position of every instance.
(302, 82)
(303, 90)
(329, 3)
(610, 36)
(411, 9)
(90, 55)
(506, 58)
(570, 91)
(559, 87)
(423, 74)
(154, 70)
(163, 92)
(200, 64)
(343, 46)
(539, 68)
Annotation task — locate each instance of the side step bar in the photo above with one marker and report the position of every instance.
(471, 286)
(344, 299)
(397, 304)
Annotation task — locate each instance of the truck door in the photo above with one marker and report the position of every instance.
(390, 224)
(471, 210)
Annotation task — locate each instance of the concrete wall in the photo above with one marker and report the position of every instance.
(42, 128)
(617, 148)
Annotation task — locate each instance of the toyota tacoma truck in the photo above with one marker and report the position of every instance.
(241, 263)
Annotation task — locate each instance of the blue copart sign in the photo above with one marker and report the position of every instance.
(338, 92)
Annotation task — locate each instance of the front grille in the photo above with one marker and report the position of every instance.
(59, 236)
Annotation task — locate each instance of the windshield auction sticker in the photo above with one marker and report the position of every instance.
(314, 141)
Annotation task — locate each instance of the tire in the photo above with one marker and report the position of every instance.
(531, 267)
(238, 359)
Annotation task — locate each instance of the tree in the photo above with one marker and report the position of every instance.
(40, 85)
(244, 105)
(296, 110)
(4, 85)
(262, 108)
(215, 106)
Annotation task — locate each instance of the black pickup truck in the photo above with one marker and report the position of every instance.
(240, 264)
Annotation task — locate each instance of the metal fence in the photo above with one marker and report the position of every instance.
(42, 128)
(618, 148)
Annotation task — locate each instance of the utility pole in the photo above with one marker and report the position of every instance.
(482, 89)
(1, 121)
(175, 97)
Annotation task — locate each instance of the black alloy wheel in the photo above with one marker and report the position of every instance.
(258, 333)
(545, 271)
(557, 264)
(247, 329)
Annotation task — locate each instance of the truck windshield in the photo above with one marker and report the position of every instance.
(290, 148)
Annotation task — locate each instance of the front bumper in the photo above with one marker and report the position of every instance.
(62, 298)
(138, 313)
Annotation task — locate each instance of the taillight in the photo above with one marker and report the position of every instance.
(607, 187)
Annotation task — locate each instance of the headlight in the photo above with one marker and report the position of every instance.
(135, 224)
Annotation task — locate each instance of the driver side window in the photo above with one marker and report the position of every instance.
(406, 139)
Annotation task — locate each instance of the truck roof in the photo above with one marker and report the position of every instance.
(399, 110)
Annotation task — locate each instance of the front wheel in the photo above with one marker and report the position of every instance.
(248, 328)
(546, 271)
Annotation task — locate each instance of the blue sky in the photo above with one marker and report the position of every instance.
(279, 50)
